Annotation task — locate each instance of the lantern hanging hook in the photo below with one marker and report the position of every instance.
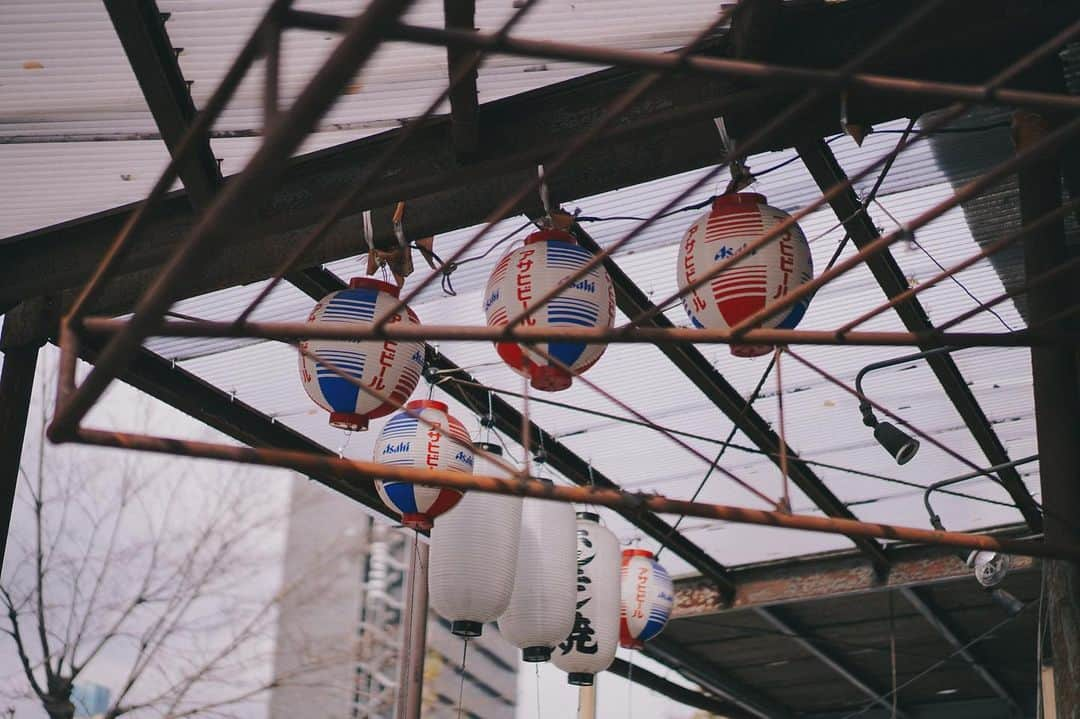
(399, 226)
(545, 193)
(741, 177)
(344, 444)
(369, 232)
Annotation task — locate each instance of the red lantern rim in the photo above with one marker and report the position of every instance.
(739, 198)
(550, 234)
(370, 283)
(635, 552)
(420, 404)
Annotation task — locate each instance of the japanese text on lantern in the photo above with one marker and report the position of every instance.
(581, 636)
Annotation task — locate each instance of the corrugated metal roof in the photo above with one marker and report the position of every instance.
(88, 88)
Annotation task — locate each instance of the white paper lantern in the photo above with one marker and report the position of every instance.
(590, 646)
(541, 611)
(647, 596)
(474, 550)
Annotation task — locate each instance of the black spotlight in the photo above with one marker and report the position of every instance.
(1007, 602)
(896, 442)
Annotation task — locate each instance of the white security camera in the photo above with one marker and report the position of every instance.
(990, 567)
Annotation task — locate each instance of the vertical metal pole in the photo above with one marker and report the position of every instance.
(414, 634)
(16, 386)
(586, 708)
(1056, 386)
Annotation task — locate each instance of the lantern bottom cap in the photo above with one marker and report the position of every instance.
(466, 628)
(631, 644)
(751, 350)
(416, 521)
(549, 379)
(536, 654)
(350, 421)
(580, 679)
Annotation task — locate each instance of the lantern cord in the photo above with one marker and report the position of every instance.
(630, 686)
(877, 186)
(461, 685)
(783, 438)
(723, 448)
(892, 652)
(448, 268)
(537, 690)
(344, 444)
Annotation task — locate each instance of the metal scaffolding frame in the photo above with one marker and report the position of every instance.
(114, 344)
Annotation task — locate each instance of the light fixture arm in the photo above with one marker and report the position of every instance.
(935, 519)
(864, 404)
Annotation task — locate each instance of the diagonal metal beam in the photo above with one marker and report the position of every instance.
(175, 386)
(714, 679)
(677, 692)
(826, 171)
(669, 132)
(464, 104)
(141, 29)
(915, 597)
(509, 421)
(318, 283)
(801, 637)
(633, 302)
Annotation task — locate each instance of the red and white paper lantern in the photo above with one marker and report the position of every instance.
(761, 277)
(590, 646)
(424, 436)
(529, 272)
(390, 369)
(474, 552)
(647, 596)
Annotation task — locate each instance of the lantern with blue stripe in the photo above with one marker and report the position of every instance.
(744, 288)
(390, 369)
(529, 272)
(424, 436)
(647, 596)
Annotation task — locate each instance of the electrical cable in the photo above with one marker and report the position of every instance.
(939, 663)
(723, 448)
(732, 445)
(941, 267)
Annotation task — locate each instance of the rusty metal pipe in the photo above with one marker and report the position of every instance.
(1036, 281)
(245, 191)
(373, 171)
(985, 252)
(766, 73)
(972, 189)
(529, 487)
(951, 113)
(200, 125)
(614, 110)
(293, 331)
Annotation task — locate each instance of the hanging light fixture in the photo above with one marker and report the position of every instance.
(527, 273)
(390, 368)
(424, 436)
(590, 646)
(741, 290)
(646, 598)
(474, 551)
(541, 610)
